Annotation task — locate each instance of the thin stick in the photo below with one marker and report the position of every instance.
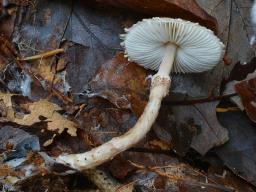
(168, 101)
(9, 51)
(42, 55)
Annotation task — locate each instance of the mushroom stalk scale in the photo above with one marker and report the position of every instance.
(163, 44)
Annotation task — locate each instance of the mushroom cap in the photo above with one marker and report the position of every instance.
(198, 49)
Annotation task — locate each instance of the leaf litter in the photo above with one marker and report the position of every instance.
(101, 94)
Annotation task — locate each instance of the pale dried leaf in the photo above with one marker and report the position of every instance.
(56, 122)
(42, 108)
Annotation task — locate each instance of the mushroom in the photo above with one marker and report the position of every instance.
(163, 44)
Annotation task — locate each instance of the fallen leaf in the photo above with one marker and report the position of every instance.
(240, 71)
(147, 168)
(233, 17)
(209, 132)
(186, 9)
(45, 109)
(34, 112)
(246, 90)
(52, 19)
(43, 182)
(178, 135)
(7, 48)
(20, 141)
(101, 121)
(95, 35)
(239, 154)
(229, 89)
(120, 168)
(244, 87)
(6, 170)
(122, 83)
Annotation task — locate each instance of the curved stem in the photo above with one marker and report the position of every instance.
(159, 89)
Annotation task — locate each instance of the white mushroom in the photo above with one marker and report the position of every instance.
(163, 44)
(154, 43)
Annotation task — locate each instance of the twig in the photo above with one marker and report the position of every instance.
(11, 52)
(81, 107)
(42, 55)
(195, 101)
(47, 85)
(228, 109)
(153, 151)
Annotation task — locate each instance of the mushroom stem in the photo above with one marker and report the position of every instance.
(159, 89)
(167, 63)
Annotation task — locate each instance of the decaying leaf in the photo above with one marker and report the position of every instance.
(246, 90)
(177, 134)
(233, 17)
(186, 9)
(6, 170)
(122, 83)
(116, 90)
(209, 132)
(244, 86)
(230, 89)
(145, 169)
(52, 21)
(104, 121)
(45, 109)
(212, 134)
(16, 143)
(239, 154)
(35, 112)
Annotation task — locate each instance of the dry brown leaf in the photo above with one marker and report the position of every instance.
(6, 170)
(185, 9)
(246, 90)
(122, 83)
(41, 108)
(56, 122)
